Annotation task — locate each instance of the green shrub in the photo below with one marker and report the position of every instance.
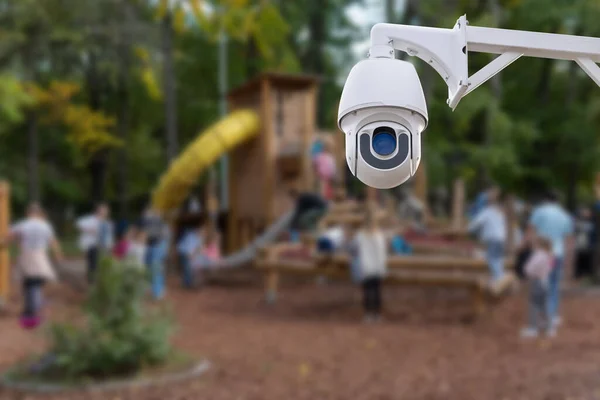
(120, 335)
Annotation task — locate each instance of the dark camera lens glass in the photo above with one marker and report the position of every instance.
(384, 141)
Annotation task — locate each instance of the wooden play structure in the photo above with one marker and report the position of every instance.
(269, 137)
(453, 272)
(264, 168)
(4, 253)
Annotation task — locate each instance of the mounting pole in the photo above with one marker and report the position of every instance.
(447, 50)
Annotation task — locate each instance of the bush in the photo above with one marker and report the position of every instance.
(119, 337)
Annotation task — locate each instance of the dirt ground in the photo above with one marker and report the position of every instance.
(312, 345)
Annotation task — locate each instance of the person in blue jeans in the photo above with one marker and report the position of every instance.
(158, 248)
(187, 246)
(490, 225)
(551, 221)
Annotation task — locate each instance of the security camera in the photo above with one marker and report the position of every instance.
(383, 114)
(382, 110)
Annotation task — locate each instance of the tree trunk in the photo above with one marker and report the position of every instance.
(98, 164)
(390, 11)
(33, 157)
(123, 132)
(315, 55)
(496, 84)
(169, 87)
(251, 57)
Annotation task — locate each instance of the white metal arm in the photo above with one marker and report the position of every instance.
(446, 50)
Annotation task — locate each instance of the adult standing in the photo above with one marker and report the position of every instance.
(490, 225)
(551, 221)
(482, 200)
(34, 235)
(96, 237)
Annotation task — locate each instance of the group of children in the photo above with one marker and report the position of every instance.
(198, 250)
(132, 247)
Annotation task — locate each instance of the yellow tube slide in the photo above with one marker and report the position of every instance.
(183, 173)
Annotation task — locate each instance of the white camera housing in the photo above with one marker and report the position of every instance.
(383, 114)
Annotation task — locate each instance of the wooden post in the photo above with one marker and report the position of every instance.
(4, 254)
(271, 278)
(458, 204)
(307, 139)
(340, 157)
(269, 156)
(479, 306)
(420, 188)
(371, 197)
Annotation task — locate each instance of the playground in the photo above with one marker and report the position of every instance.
(278, 317)
(305, 349)
(198, 200)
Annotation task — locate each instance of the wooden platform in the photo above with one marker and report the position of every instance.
(467, 273)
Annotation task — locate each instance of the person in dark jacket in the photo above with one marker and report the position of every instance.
(309, 209)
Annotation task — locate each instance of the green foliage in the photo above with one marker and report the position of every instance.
(539, 129)
(120, 335)
(13, 99)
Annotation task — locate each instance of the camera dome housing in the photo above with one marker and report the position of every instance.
(382, 114)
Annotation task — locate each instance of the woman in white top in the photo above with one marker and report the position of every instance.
(490, 224)
(34, 235)
(371, 265)
(96, 236)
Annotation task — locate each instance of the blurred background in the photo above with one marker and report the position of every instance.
(96, 96)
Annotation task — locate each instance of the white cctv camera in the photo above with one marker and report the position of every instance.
(382, 114)
(382, 110)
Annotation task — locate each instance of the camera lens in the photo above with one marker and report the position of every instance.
(384, 141)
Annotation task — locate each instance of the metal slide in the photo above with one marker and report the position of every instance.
(248, 253)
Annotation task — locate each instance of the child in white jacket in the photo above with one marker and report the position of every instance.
(136, 252)
(537, 271)
(371, 263)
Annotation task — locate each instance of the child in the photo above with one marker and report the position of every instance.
(122, 246)
(210, 252)
(331, 239)
(187, 246)
(212, 245)
(326, 169)
(351, 247)
(136, 251)
(371, 262)
(537, 270)
(399, 244)
(490, 224)
(34, 235)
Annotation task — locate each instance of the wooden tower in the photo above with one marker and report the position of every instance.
(262, 170)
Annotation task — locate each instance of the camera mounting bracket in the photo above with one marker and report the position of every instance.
(447, 50)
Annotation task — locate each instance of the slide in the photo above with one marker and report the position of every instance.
(184, 172)
(246, 255)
